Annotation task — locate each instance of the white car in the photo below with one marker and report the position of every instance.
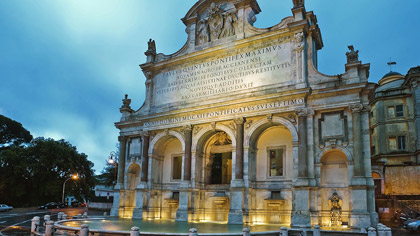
(4, 207)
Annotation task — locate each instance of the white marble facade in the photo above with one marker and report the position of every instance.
(239, 126)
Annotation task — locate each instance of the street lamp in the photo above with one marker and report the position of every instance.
(74, 177)
(113, 161)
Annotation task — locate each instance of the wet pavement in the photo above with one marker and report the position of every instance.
(18, 221)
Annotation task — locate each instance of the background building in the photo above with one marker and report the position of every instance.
(395, 142)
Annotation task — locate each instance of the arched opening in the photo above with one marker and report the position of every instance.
(214, 167)
(217, 156)
(133, 179)
(334, 184)
(166, 175)
(271, 165)
(378, 181)
(334, 169)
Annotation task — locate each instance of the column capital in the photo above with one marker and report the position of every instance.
(122, 138)
(144, 133)
(356, 108)
(303, 112)
(239, 121)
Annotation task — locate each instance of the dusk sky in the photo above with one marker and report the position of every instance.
(65, 65)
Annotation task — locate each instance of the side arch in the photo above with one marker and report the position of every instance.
(202, 135)
(162, 136)
(253, 132)
(331, 148)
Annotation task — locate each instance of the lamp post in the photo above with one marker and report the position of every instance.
(113, 161)
(74, 177)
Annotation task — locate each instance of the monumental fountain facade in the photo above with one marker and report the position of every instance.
(239, 126)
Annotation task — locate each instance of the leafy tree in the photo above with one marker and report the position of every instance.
(12, 132)
(35, 174)
(109, 173)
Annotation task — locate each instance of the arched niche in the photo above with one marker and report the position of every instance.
(334, 170)
(214, 158)
(203, 150)
(274, 154)
(133, 179)
(253, 147)
(167, 152)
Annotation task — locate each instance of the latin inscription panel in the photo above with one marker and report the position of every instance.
(227, 75)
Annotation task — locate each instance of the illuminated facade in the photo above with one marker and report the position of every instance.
(239, 126)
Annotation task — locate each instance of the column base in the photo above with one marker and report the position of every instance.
(114, 211)
(181, 215)
(360, 220)
(301, 219)
(138, 213)
(236, 217)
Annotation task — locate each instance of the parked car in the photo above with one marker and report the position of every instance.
(4, 207)
(50, 205)
(413, 224)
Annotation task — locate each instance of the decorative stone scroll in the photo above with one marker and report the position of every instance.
(222, 138)
(299, 44)
(355, 108)
(216, 25)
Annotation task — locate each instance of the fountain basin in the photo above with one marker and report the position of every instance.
(123, 226)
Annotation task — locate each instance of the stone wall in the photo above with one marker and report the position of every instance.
(402, 180)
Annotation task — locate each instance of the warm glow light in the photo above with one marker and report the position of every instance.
(111, 161)
(75, 177)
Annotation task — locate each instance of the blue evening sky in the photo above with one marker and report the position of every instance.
(65, 65)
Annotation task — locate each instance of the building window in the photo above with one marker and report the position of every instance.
(275, 195)
(397, 143)
(401, 143)
(276, 161)
(175, 195)
(396, 111)
(176, 167)
(373, 150)
(399, 111)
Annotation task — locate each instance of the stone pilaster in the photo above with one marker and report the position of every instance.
(138, 210)
(121, 160)
(145, 156)
(239, 166)
(302, 135)
(116, 202)
(356, 109)
(187, 160)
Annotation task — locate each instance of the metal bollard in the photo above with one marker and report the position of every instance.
(193, 232)
(35, 224)
(85, 215)
(135, 231)
(64, 217)
(283, 231)
(317, 230)
(388, 231)
(49, 228)
(105, 214)
(79, 216)
(84, 230)
(371, 231)
(246, 232)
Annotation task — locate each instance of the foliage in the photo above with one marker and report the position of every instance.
(108, 176)
(12, 132)
(34, 175)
